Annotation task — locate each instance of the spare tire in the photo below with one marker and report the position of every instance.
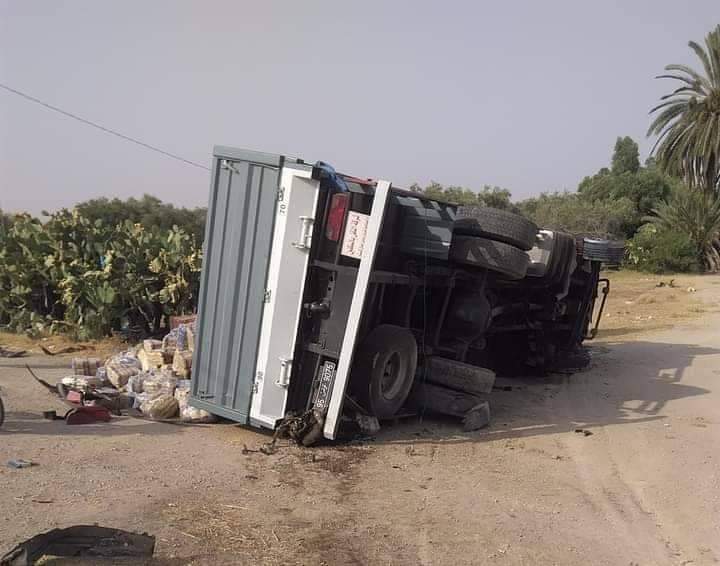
(496, 224)
(384, 369)
(495, 256)
(608, 251)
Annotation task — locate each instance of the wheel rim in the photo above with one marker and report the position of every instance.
(390, 384)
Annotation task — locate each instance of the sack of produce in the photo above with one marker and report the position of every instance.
(159, 384)
(82, 382)
(190, 414)
(122, 367)
(182, 363)
(85, 366)
(162, 407)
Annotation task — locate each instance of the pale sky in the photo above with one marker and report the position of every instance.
(526, 95)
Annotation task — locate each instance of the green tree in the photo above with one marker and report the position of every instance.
(696, 214)
(645, 187)
(6, 221)
(626, 157)
(495, 197)
(571, 212)
(148, 211)
(687, 121)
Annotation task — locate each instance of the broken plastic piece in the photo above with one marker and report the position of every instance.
(87, 414)
(79, 541)
(19, 463)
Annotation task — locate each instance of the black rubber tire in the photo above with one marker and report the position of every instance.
(607, 251)
(387, 352)
(496, 224)
(495, 256)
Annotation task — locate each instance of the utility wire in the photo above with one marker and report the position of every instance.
(103, 128)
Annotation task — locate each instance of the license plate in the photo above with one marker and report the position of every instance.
(327, 376)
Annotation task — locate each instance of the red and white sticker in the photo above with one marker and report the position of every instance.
(355, 232)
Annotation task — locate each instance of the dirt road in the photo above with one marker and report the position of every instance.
(643, 488)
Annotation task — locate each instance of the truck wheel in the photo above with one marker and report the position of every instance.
(495, 224)
(495, 256)
(385, 365)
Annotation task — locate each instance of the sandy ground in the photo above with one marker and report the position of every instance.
(642, 489)
(639, 303)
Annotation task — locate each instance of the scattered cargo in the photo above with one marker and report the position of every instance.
(138, 379)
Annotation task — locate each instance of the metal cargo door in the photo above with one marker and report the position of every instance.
(238, 237)
(289, 256)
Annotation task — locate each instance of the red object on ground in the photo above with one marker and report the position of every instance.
(74, 397)
(87, 414)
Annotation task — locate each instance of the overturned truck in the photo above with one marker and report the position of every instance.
(326, 298)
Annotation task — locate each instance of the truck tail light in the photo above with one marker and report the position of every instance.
(338, 206)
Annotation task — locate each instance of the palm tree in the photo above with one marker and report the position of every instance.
(697, 214)
(687, 122)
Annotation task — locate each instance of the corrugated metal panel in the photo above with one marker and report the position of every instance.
(243, 196)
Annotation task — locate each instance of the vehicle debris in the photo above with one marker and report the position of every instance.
(9, 353)
(584, 431)
(45, 384)
(19, 463)
(63, 350)
(81, 541)
(87, 414)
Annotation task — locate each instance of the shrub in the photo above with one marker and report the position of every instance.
(573, 213)
(697, 214)
(660, 250)
(89, 278)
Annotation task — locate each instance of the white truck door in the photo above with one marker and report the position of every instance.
(289, 254)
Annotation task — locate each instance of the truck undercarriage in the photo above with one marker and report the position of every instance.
(340, 296)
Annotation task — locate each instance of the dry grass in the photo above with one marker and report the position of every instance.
(93, 348)
(641, 302)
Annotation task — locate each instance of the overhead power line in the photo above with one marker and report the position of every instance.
(103, 128)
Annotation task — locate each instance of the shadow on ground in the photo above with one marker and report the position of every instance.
(626, 383)
(23, 422)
